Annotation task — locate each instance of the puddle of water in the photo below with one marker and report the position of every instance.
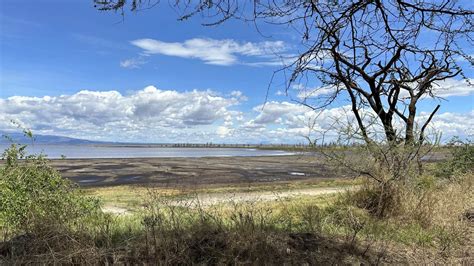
(88, 181)
(297, 173)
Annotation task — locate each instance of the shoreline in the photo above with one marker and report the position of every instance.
(185, 172)
(59, 151)
(177, 157)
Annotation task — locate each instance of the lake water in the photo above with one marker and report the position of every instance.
(115, 151)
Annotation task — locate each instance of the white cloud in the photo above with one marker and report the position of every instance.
(304, 93)
(289, 121)
(154, 115)
(215, 52)
(276, 59)
(224, 131)
(103, 114)
(275, 112)
(132, 62)
(446, 88)
(453, 87)
(452, 124)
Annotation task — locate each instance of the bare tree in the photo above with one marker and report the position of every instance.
(383, 55)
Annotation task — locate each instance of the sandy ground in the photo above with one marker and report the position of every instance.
(194, 172)
(209, 199)
(218, 198)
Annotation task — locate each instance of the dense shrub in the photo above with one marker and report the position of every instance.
(380, 200)
(49, 221)
(461, 161)
(34, 196)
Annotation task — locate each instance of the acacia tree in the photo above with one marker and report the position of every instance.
(383, 55)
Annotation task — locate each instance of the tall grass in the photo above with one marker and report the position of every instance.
(46, 219)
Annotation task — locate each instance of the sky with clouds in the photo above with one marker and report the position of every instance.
(67, 69)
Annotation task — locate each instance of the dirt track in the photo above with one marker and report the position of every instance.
(192, 172)
(218, 198)
(209, 199)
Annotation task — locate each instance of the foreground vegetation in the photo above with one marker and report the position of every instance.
(46, 219)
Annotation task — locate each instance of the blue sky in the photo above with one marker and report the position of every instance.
(57, 47)
(67, 57)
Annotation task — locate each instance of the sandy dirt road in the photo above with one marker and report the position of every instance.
(210, 199)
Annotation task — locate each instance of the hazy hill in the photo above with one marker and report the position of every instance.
(44, 139)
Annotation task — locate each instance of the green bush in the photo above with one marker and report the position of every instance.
(461, 161)
(34, 196)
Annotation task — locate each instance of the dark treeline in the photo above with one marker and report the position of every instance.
(237, 145)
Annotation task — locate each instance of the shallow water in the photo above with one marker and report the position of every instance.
(140, 151)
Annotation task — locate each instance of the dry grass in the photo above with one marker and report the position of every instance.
(325, 229)
(132, 197)
(424, 223)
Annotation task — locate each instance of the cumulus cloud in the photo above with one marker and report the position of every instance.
(154, 115)
(452, 124)
(224, 131)
(276, 112)
(215, 52)
(288, 121)
(453, 87)
(93, 112)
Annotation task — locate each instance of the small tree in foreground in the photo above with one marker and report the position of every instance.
(35, 199)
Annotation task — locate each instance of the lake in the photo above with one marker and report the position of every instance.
(140, 151)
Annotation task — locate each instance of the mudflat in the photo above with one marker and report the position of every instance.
(194, 172)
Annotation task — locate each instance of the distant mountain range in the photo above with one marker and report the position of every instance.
(52, 139)
(44, 139)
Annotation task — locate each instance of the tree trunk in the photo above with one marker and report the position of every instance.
(390, 133)
(410, 124)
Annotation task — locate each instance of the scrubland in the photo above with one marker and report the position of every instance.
(45, 218)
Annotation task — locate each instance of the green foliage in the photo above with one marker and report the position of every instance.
(67, 227)
(351, 219)
(34, 196)
(461, 161)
